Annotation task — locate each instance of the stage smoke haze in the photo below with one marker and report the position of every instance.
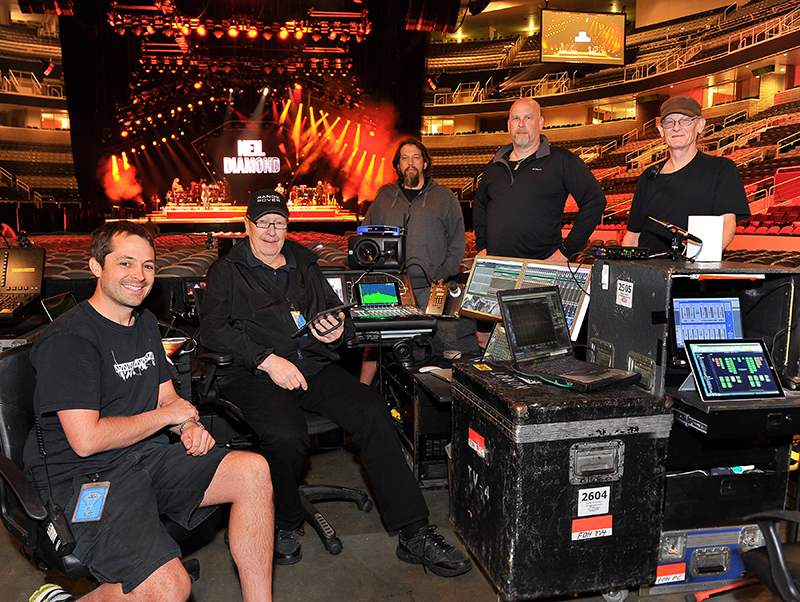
(119, 179)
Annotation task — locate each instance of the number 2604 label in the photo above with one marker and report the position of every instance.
(593, 501)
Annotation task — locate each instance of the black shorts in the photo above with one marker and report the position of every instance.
(129, 542)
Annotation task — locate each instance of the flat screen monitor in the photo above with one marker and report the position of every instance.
(706, 318)
(733, 370)
(337, 284)
(377, 294)
(577, 37)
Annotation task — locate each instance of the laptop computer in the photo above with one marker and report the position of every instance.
(58, 304)
(540, 345)
(732, 370)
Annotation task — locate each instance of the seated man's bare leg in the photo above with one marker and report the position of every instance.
(243, 480)
(169, 583)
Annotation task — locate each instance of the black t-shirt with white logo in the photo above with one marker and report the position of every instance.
(85, 361)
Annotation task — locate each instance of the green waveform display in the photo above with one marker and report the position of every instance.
(378, 293)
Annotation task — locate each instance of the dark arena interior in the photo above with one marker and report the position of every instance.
(172, 114)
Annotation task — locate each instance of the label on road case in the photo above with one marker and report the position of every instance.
(477, 443)
(590, 528)
(625, 293)
(593, 501)
(670, 573)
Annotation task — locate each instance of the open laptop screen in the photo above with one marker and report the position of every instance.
(534, 322)
(733, 370)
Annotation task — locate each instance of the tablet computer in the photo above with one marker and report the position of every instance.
(733, 370)
(334, 311)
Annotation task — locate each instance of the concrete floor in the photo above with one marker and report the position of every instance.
(366, 570)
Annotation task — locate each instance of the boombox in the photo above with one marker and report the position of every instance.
(375, 251)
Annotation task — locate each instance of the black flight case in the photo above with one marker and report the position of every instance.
(557, 492)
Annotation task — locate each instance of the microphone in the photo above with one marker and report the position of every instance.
(654, 172)
(673, 229)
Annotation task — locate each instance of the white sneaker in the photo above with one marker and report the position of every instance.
(50, 592)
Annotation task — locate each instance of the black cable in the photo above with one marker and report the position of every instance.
(575, 274)
(767, 295)
(6, 240)
(781, 332)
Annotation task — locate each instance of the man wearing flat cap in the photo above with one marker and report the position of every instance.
(256, 298)
(688, 182)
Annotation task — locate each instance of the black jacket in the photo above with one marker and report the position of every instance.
(245, 314)
(517, 213)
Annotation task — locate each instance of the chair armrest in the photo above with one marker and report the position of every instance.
(781, 574)
(30, 500)
(791, 516)
(220, 360)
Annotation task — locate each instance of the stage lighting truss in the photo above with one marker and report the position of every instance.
(162, 18)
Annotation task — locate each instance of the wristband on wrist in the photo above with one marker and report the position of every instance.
(183, 426)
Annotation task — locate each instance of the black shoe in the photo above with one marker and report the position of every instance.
(287, 547)
(429, 549)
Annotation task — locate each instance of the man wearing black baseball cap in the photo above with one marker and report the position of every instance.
(688, 182)
(257, 296)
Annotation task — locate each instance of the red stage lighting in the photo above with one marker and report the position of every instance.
(283, 34)
(201, 30)
(124, 133)
(298, 34)
(150, 30)
(332, 35)
(252, 33)
(198, 85)
(185, 30)
(233, 31)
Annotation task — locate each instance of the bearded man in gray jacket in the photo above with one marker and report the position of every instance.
(430, 214)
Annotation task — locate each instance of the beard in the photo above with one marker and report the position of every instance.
(411, 178)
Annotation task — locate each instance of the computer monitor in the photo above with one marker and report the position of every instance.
(377, 293)
(337, 284)
(702, 318)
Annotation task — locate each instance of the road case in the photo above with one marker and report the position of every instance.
(557, 492)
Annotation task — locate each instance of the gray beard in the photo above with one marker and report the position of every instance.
(411, 181)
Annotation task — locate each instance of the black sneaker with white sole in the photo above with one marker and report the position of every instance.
(429, 549)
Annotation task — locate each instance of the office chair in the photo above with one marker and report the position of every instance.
(21, 508)
(776, 565)
(208, 396)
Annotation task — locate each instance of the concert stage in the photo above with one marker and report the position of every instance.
(229, 218)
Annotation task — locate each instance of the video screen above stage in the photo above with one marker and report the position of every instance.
(572, 37)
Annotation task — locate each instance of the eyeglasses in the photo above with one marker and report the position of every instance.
(685, 122)
(265, 225)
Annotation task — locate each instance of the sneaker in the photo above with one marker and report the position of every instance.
(429, 549)
(287, 547)
(50, 592)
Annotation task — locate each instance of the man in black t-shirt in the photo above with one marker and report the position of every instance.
(104, 398)
(688, 183)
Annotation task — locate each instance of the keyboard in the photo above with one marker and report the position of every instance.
(402, 321)
(569, 365)
(389, 311)
(13, 305)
